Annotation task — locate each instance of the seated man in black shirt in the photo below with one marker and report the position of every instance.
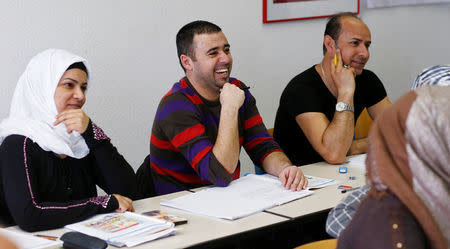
(319, 107)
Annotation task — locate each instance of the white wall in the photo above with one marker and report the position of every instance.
(131, 48)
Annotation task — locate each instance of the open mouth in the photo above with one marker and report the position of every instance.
(222, 71)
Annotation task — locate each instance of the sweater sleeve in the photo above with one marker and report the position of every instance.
(114, 174)
(181, 124)
(19, 172)
(257, 141)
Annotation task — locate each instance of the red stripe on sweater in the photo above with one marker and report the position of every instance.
(165, 145)
(183, 84)
(255, 120)
(200, 156)
(167, 94)
(236, 83)
(268, 153)
(179, 176)
(195, 99)
(250, 145)
(187, 135)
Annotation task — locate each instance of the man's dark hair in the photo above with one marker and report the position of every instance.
(334, 25)
(185, 36)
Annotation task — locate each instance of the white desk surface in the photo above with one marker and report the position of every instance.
(201, 229)
(324, 198)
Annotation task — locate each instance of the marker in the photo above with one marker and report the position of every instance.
(347, 190)
(335, 60)
(245, 88)
(344, 187)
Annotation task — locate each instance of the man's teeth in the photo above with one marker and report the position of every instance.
(222, 71)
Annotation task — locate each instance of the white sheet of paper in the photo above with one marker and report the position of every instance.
(29, 241)
(358, 160)
(245, 196)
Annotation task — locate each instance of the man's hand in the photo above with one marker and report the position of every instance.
(292, 178)
(125, 204)
(74, 119)
(343, 78)
(231, 96)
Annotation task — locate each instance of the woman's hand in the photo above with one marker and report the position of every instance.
(125, 204)
(74, 119)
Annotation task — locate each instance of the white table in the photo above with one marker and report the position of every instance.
(202, 229)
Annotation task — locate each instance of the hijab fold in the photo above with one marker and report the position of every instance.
(33, 109)
(409, 155)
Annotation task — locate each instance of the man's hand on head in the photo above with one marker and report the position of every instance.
(343, 76)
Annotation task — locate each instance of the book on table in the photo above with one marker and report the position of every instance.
(242, 197)
(124, 229)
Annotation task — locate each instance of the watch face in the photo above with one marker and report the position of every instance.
(340, 107)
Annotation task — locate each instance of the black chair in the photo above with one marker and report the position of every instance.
(146, 188)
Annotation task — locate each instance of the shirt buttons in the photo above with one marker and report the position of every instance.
(399, 245)
(395, 226)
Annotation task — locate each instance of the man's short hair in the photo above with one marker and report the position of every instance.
(334, 25)
(185, 36)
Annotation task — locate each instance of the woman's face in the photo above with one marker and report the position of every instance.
(70, 91)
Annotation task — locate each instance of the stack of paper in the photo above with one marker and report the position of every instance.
(318, 182)
(359, 160)
(247, 195)
(124, 229)
(29, 241)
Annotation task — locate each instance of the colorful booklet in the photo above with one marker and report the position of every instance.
(158, 214)
(124, 229)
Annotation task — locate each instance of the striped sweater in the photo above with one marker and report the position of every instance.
(183, 134)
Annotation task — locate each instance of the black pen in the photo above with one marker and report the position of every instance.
(245, 88)
(347, 190)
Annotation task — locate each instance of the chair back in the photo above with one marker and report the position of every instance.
(146, 188)
(363, 125)
(321, 244)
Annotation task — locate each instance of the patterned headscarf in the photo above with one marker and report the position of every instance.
(409, 154)
(435, 75)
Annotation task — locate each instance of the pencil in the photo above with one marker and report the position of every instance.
(335, 60)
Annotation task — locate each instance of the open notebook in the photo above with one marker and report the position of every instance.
(124, 229)
(245, 196)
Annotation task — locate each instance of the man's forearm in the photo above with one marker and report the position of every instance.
(275, 162)
(358, 146)
(226, 148)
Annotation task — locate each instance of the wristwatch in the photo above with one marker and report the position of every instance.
(341, 106)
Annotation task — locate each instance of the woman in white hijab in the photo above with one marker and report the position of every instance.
(52, 155)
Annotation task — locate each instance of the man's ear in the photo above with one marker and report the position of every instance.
(186, 61)
(329, 43)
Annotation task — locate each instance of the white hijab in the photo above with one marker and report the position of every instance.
(33, 110)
